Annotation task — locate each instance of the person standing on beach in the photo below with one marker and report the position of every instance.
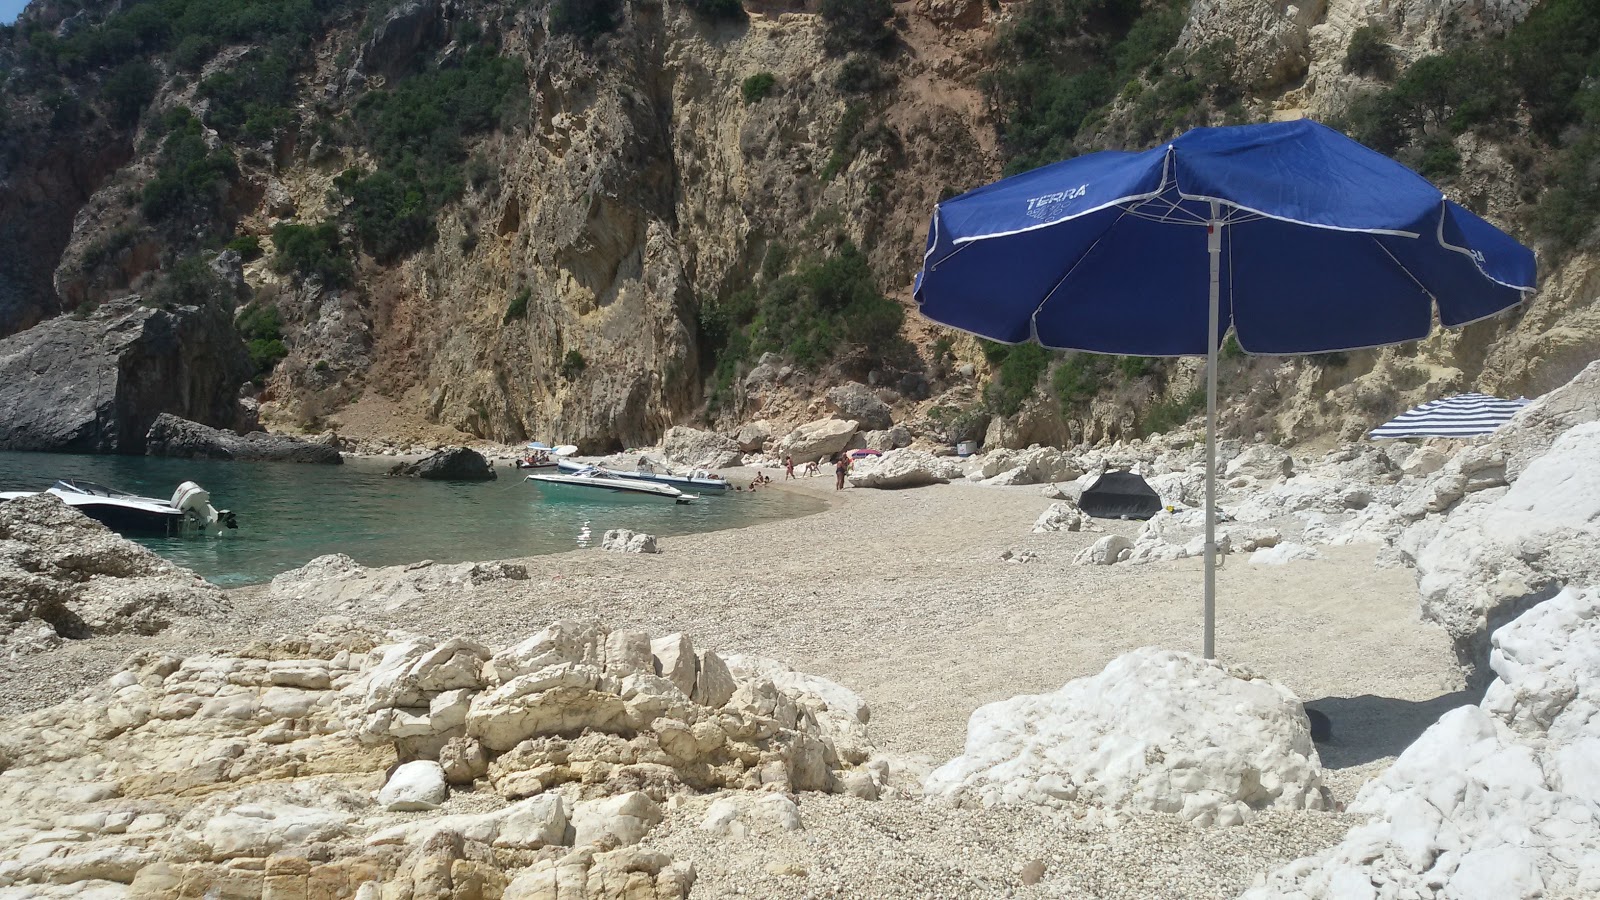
(788, 467)
(841, 465)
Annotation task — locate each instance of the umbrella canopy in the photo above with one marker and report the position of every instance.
(1295, 237)
(1464, 415)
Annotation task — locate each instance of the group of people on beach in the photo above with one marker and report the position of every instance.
(841, 468)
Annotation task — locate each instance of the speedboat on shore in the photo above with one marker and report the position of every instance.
(189, 512)
(595, 480)
(699, 479)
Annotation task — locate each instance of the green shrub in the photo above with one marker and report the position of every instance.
(844, 140)
(1230, 349)
(518, 308)
(261, 328)
(1076, 380)
(718, 10)
(248, 247)
(253, 99)
(1131, 367)
(311, 251)
(129, 89)
(573, 364)
(758, 87)
(585, 19)
(1166, 415)
(856, 25)
(1369, 52)
(391, 216)
(1440, 159)
(1019, 376)
(190, 179)
(861, 73)
(190, 282)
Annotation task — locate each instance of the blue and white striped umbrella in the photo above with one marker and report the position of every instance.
(1464, 415)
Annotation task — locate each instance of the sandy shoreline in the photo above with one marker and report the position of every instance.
(902, 596)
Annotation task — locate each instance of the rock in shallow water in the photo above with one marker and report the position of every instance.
(450, 464)
(1156, 730)
(182, 439)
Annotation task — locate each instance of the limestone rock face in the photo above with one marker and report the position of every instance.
(903, 469)
(817, 440)
(450, 464)
(333, 760)
(700, 449)
(752, 436)
(1156, 730)
(1494, 800)
(1270, 39)
(854, 400)
(621, 540)
(392, 50)
(336, 580)
(96, 384)
(64, 576)
(1503, 549)
(172, 436)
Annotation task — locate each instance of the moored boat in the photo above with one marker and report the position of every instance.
(595, 480)
(699, 479)
(189, 512)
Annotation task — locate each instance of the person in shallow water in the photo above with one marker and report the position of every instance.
(841, 465)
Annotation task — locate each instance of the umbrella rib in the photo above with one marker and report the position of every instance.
(1402, 266)
(1033, 320)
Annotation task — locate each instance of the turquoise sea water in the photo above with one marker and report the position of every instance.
(290, 513)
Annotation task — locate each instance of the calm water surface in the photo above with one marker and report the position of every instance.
(290, 513)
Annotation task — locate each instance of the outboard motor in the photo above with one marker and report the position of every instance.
(200, 515)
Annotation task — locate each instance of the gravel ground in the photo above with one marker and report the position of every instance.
(902, 596)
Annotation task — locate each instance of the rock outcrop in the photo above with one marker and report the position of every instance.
(816, 440)
(336, 581)
(1064, 515)
(903, 469)
(172, 436)
(621, 540)
(1156, 730)
(275, 768)
(64, 576)
(1495, 800)
(449, 464)
(700, 449)
(854, 400)
(96, 384)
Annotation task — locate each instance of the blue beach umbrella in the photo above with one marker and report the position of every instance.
(1297, 238)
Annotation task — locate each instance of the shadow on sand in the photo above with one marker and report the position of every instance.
(1369, 727)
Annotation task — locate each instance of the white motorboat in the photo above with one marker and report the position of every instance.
(189, 512)
(594, 479)
(650, 470)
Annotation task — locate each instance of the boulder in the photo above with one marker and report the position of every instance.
(414, 786)
(622, 874)
(1282, 554)
(1063, 515)
(816, 440)
(65, 576)
(700, 449)
(740, 816)
(1499, 551)
(1112, 548)
(673, 658)
(1156, 730)
(854, 400)
(621, 540)
(903, 469)
(615, 821)
(752, 436)
(1261, 463)
(96, 384)
(1495, 800)
(182, 439)
(449, 464)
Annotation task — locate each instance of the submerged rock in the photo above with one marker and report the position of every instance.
(1156, 730)
(176, 437)
(450, 464)
(96, 384)
(64, 576)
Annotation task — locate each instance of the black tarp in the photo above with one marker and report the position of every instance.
(1120, 495)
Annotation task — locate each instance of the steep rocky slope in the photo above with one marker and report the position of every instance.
(522, 221)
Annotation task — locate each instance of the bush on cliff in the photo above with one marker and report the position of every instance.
(261, 328)
(190, 178)
(856, 25)
(311, 251)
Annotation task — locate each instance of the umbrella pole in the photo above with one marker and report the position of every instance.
(1214, 248)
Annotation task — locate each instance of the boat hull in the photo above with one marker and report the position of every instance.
(711, 485)
(608, 488)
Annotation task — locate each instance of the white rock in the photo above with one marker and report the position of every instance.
(1262, 463)
(713, 683)
(674, 659)
(621, 540)
(414, 786)
(1156, 730)
(1105, 551)
(816, 440)
(616, 821)
(699, 449)
(741, 815)
(903, 469)
(1063, 515)
(1492, 801)
(1283, 554)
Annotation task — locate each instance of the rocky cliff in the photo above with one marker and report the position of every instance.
(590, 222)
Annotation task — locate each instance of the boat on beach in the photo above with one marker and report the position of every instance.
(595, 480)
(188, 513)
(699, 479)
